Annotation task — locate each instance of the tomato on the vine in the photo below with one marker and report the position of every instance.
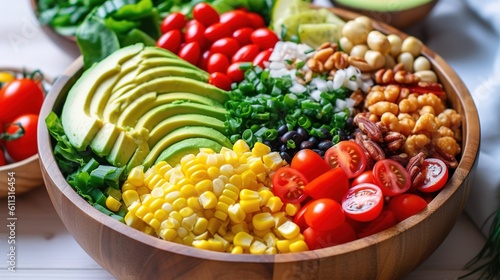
(332, 184)
(363, 202)
(349, 156)
(365, 177)
(309, 163)
(288, 184)
(435, 172)
(391, 177)
(406, 205)
(385, 220)
(26, 145)
(316, 239)
(20, 97)
(205, 14)
(324, 214)
(173, 21)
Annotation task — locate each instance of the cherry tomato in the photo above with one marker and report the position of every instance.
(316, 239)
(235, 73)
(217, 62)
(262, 57)
(195, 32)
(309, 163)
(406, 205)
(225, 46)
(288, 184)
(20, 97)
(363, 202)
(324, 214)
(171, 40)
(217, 31)
(243, 35)
(436, 175)
(349, 156)
(299, 218)
(203, 63)
(256, 20)
(246, 53)
(235, 19)
(332, 184)
(365, 177)
(391, 177)
(385, 220)
(264, 38)
(190, 52)
(173, 21)
(205, 14)
(26, 145)
(220, 80)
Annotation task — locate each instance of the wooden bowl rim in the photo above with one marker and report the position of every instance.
(468, 160)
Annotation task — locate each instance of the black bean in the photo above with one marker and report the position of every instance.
(318, 151)
(349, 122)
(297, 138)
(288, 136)
(314, 141)
(326, 133)
(302, 132)
(342, 135)
(325, 145)
(283, 148)
(306, 145)
(282, 130)
(286, 157)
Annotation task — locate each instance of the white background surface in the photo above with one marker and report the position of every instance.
(45, 250)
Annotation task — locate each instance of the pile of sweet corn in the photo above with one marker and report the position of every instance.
(215, 201)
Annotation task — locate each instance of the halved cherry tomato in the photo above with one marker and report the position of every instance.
(246, 53)
(365, 177)
(20, 97)
(363, 202)
(235, 73)
(262, 57)
(217, 31)
(324, 214)
(220, 80)
(316, 239)
(288, 184)
(349, 156)
(332, 184)
(385, 220)
(195, 32)
(406, 205)
(205, 14)
(264, 38)
(235, 19)
(217, 62)
(225, 46)
(243, 35)
(391, 177)
(190, 52)
(309, 163)
(171, 40)
(173, 21)
(26, 145)
(436, 175)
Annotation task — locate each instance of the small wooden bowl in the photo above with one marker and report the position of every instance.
(130, 254)
(21, 176)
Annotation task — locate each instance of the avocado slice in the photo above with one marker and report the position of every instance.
(383, 5)
(174, 153)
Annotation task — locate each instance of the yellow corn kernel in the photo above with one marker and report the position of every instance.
(141, 211)
(133, 207)
(208, 200)
(188, 240)
(187, 158)
(172, 196)
(230, 156)
(175, 175)
(184, 181)
(168, 234)
(168, 187)
(258, 167)
(231, 194)
(236, 213)
(283, 245)
(257, 248)
(186, 212)
(167, 207)
(130, 196)
(273, 161)
(213, 172)
(270, 239)
(188, 190)
(224, 242)
(224, 179)
(260, 233)
(193, 203)
(182, 232)
(174, 214)
(206, 150)
(160, 215)
(263, 221)
(216, 245)
(201, 244)
(189, 222)
(246, 194)
(156, 204)
(275, 204)
(260, 149)
(136, 176)
(154, 223)
(236, 180)
(289, 229)
(250, 205)
(240, 146)
(129, 218)
(229, 236)
(146, 199)
(208, 214)
(172, 223)
(154, 181)
(237, 228)
(128, 186)
(279, 218)
(191, 168)
(243, 239)
(203, 186)
(227, 170)
(200, 226)
(237, 250)
(226, 199)
(203, 236)
(298, 246)
(143, 190)
(220, 215)
(162, 168)
(222, 230)
(249, 180)
(157, 192)
(265, 194)
(271, 251)
(213, 225)
(179, 203)
(199, 176)
(292, 208)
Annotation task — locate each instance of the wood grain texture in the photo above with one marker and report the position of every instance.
(391, 254)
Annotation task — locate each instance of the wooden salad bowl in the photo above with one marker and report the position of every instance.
(391, 254)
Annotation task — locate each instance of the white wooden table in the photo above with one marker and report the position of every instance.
(45, 249)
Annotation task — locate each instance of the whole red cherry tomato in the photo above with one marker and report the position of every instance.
(195, 32)
(262, 57)
(235, 19)
(349, 156)
(20, 97)
(256, 20)
(225, 46)
(316, 239)
(288, 184)
(324, 214)
(406, 205)
(190, 52)
(365, 177)
(309, 163)
(217, 62)
(220, 80)
(205, 14)
(26, 145)
(235, 73)
(264, 38)
(217, 31)
(243, 35)
(171, 40)
(332, 184)
(435, 172)
(203, 63)
(246, 53)
(363, 202)
(385, 220)
(173, 21)
(391, 177)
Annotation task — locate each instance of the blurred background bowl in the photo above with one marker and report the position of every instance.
(391, 254)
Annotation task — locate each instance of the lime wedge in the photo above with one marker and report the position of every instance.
(285, 8)
(315, 34)
(292, 23)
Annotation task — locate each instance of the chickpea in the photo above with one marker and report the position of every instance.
(432, 100)
(355, 31)
(346, 44)
(415, 143)
(375, 59)
(421, 63)
(383, 106)
(359, 51)
(448, 145)
(374, 96)
(427, 110)
(406, 124)
(390, 121)
(406, 59)
(378, 42)
(391, 93)
(412, 45)
(428, 76)
(396, 43)
(365, 21)
(426, 122)
(408, 105)
(444, 131)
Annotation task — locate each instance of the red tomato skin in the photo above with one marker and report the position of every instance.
(321, 239)
(363, 193)
(299, 218)
(262, 57)
(21, 97)
(246, 53)
(349, 156)
(243, 35)
(256, 20)
(235, 19)
(365, 177)
(288, 184)
(205, 14)
(332, 184)
(203, 63)
(309, 163)
(385, 220)
(433, 181)
(388, 180)
(171, 40)
(225, 46)
(217, 31)
(2, 158)
(406, 205)
(264, 38)
(217, 62)
(190, 52)
(173, 21)
(235, 73)
(220, 80)
(26, 145)
(324, 214)
(195, 32)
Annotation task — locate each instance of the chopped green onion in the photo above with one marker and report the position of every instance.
(291, 144)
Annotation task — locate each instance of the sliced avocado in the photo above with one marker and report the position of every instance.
(176, 71)
(150, 52)
(123, 148)
(185, 133)
(105, 139)
(383, 5)
(166, 61)
(174, 153)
